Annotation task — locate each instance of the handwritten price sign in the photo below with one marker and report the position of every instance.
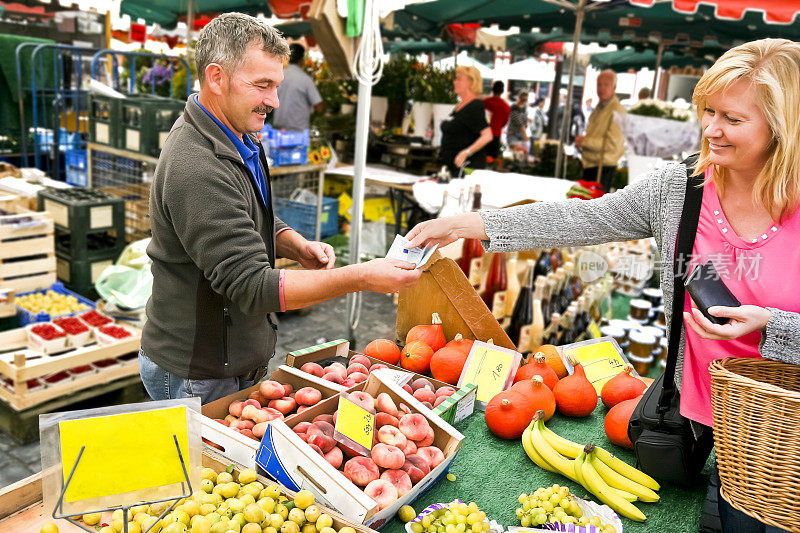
(355, 423)
(601, 359)
(491, 367)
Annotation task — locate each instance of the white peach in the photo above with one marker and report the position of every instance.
(308, 396)
(391, 435)
(357, 367)
(385, 404)
(384, 419)
(414, 426)
(400, 479)
(383, 492)
(424, 394)
(417, 467)
(361, 471)
(363, 399)
(432, 454)
(285, 405)
(314, 369)
(235, 409)
(389, 457)
(361, 359)
(271, 390)
(428, 440)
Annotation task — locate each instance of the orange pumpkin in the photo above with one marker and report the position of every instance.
(416, 357)
(431, 335)
(448, 362)
(575, 395)
(537, 368)
(553, 360)
(383, 349)
(539, 394)
(621, 387)
(616, 422)
(508, 414)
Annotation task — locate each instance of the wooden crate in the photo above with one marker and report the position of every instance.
(137, 209)
(27, 247)
(19, 364)
(21, 507)
(8, 306)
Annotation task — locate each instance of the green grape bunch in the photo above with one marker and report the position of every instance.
(456, 518)
(555, 504)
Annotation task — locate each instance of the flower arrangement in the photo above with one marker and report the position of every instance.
(661, 109)
(430, 84)
(334, 92)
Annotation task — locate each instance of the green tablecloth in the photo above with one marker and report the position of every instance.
(493, 473)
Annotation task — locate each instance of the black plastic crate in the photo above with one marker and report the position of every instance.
(105, 114)
(79, 276)
(89, 246)
(146, 121)
(83, 210)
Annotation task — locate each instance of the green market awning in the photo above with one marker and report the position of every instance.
(167, 12)
(630, 58)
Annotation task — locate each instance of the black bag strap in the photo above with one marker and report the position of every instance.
(683, 250)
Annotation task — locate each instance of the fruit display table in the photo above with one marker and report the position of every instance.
(493, 473)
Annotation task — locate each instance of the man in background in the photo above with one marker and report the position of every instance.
(499, 111)
(603, 144)
(297, 94)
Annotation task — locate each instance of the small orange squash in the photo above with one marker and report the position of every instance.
(508, 414)
(416, 357)
(432, 334)
(448, 362)
(539, 394)
(537, 368)
(621, 387)
(553, 360)
(383, 349)
(616, 422)
(575, 394)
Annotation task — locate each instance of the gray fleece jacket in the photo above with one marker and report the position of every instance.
(213, 252)
(650, 207)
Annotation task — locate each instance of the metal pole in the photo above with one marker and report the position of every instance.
(359, 167)
(189, 28)
(576, 41)
(658, 66)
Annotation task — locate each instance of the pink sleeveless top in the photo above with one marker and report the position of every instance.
(764, 271)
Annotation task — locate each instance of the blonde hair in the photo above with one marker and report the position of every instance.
(772, 66)
(473, 74)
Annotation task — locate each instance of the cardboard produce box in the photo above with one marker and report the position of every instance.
(234, 445)
(339, 350)
(292, 462)
(445, 290)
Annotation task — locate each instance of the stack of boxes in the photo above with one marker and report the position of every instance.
(285, 147)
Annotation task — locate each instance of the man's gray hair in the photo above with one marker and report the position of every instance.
(225, 39)
(609, 72)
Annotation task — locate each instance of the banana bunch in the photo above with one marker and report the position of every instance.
(613, 481)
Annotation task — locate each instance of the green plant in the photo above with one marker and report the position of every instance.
(441, 86)
(395, 84)
(659, 109)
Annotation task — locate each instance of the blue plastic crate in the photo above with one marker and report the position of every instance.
(75, 159)
(303, 217)
(77, 177)
(282, 157)
(283, 138)
(25, 317)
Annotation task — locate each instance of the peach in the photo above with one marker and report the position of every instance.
(230, 418)
(377, 366)
(260, 429)
(249, 411)
(261, 415)
(363, 400)
(324, 442)
(383, 492)
(410, 448)
(414, 426)
(223, 422)
(257, 396)
(357, 367)
(243, 424)
(313, 368)
(391, 435)
(235, 409)
(432, 454)
(386, 456)
(254, 403)
(425, 394)
(445, 391)
(273, 414)
(308, 396)
(348, 383)
(408, 388)
(400, 480)
(357, 377)
(287, 389)
(428, 440)
(324, 418)
(422, 382)
(335, 415)
(271, 390)
(301, 428)
(429, 405)
(285, 405)
(303, 408)
(334, 457)
(317, 449)
(404, 409)
(385, 404)
(439, 399)
(338, 368)
(361, 471)
(333, 377)
(384, 419)
(417, 467)
(248, 433)
(325, 427)
(361, 359)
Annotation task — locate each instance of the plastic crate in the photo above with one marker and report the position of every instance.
(104, 120)
(284, 139)
(147, 121)
(75, 163)
(80, 275)
(67, 140)
(282, 157)
(82, 210)
(303, 217)
(25, 317)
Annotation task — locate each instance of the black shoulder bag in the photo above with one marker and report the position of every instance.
(663, 441)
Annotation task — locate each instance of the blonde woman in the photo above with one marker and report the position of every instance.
(749, 223)
(466, 132)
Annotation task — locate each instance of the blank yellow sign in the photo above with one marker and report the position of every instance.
(124, 453)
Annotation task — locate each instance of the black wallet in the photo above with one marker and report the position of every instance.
(707, 290)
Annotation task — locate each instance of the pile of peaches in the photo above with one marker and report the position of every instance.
(402, 452)
(356, 372)
(271, 401)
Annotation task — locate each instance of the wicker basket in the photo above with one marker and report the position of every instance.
(757, 434)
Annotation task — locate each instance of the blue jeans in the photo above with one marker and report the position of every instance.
(734, 520)
(163, 385)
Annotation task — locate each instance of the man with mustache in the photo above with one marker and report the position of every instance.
(298, 94)
(209, 329)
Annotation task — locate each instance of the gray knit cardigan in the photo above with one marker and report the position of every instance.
(650, 207)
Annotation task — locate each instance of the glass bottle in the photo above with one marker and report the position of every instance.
(513, 285)
(472, 252)
(522, 314)
(496, 284)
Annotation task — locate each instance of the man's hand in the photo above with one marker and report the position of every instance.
(743, 320)
(388, 275)
(579, 141)
(315, 255)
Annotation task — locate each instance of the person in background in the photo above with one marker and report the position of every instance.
(588, 107)
(498, 110)
(749, 222)
(517, 131)
(297, 94)
(603, 144)
(644, 93)
(466, 133)
(577, 119)
(538, 122)
(210, 329)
